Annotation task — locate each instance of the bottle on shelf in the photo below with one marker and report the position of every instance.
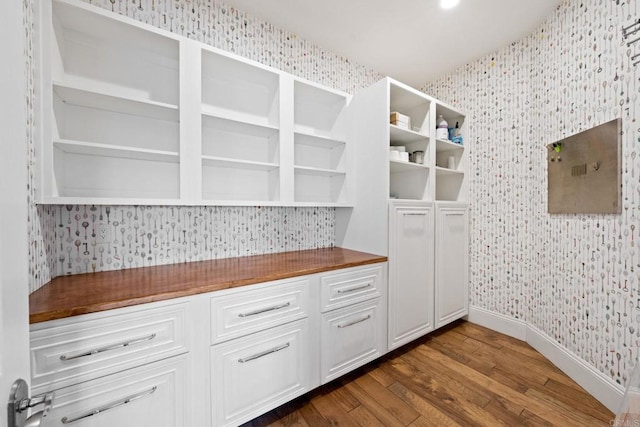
(442, 128)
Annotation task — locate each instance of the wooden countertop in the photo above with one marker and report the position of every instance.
(88, 293)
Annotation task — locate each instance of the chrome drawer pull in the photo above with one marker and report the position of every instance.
(357, 288)
(346, 325)
(64, 357)
(264, 310)
(264, 353)
(91, 413)
(414, 214)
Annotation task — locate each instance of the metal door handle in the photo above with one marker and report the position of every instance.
(264, 353)
(19, 404)
(264, 310)
(108, 406)
(346, 325)
(356, 288)
(110, 347)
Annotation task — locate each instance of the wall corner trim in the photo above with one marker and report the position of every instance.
(601, 387)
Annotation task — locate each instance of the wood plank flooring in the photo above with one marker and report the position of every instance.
(462, 375)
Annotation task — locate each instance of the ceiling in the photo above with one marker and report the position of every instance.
(413, 41)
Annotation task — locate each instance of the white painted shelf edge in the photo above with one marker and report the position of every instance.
(447, 171)
(445, 145)
(305, 170)
(237, 163)
(83, 96)
(399, 136)
(397, 166)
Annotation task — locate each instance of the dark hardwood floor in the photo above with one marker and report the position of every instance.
(463, 375)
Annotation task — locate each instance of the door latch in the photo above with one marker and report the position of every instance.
(20, 403)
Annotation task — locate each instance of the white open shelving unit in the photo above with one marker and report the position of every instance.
(380, 179)
(133, 114)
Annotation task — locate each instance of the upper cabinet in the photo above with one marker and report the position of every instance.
(320, 125)
(110, 108)
(132, 114)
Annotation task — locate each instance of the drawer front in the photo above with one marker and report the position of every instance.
(342, 289)
(254, 374)
(153, 395)
(81, 348)
(256, 309)
(351, 337)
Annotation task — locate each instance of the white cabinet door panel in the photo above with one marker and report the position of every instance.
(349, 287)
(351, 337)
(81, 348)
(411, 271)
(452, 263)
(256, 373)
(149, 396)
(247, 311)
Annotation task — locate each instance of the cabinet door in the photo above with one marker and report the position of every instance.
(256, 373)
(452, 263)
(350, 337)
(410, 271)
(153, 395)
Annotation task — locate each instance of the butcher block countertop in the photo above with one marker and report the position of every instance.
(92, 292)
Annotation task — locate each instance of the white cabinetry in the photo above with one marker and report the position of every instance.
(411, 265)
(153, 395)
(262, 355)
(256, 373)
(110, 108)
(128, 367)
(452, 259)
(136, 115)
(219, 358)
(393, 211)
(353, 323)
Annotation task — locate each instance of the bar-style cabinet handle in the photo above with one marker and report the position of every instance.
(264, 310)
(264, 353)
(346, 325)
(110, 347)
(356, 288)
(108, 406)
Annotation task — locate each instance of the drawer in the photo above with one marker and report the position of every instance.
(346, 288)
(80, 348)
(254, 309)
(254, 374)
(153, 395)
(351, 337)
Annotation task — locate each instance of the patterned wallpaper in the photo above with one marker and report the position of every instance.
(63, 238)
(574, 277)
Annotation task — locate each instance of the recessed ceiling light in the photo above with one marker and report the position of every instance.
(448, 4)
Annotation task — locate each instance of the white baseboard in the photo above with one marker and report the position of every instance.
(498, 322)
(600, 386)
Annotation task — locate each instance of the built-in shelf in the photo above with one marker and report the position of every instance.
(95, 98)
(222, 162)
(107, 150)
(401, 136)
(440, 171)
(398, 166)
(318, 171)
(134, 113)
(302, 137)
(232, 87)
(443, 146)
